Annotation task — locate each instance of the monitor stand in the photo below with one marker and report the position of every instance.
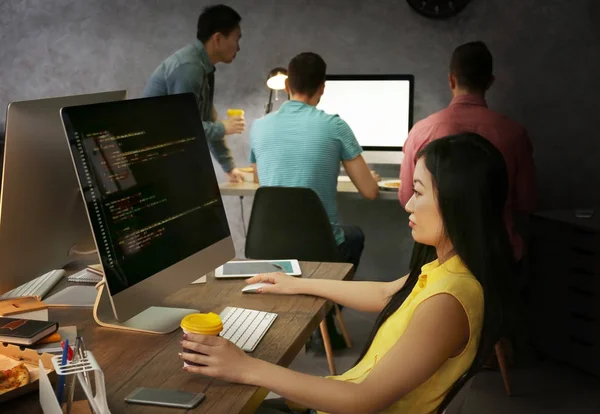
(155, 320)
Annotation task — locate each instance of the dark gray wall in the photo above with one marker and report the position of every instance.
(547, 65)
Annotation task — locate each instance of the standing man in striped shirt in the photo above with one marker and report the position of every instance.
(302, 146)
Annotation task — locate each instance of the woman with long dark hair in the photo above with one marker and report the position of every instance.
(432, 323)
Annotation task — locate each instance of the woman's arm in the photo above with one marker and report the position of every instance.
(438, 330)
(362, 296)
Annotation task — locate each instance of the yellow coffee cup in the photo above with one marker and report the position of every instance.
(202, 324)
(235, 112)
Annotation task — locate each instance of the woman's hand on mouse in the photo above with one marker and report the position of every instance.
(281, 283)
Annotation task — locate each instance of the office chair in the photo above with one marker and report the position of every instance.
(477, 366)
(503, 365)
(2, 137)
(454, 392)
(291, 223)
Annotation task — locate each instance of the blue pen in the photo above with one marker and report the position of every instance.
(61, 378)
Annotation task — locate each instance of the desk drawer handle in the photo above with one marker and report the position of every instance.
(584, 318)
(580, 291)
(587, 232)
(583, 251)
(582, 271)
(581, 341)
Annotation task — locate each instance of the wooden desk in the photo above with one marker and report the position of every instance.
(131, 360)
(344, 187)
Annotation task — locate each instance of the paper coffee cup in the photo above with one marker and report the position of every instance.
(235, 112)
(202, 324)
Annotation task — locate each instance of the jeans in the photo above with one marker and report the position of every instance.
(278, 406)
(351, 249)
(517, 327)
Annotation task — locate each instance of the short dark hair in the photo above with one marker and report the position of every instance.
(472, 65)
(306, 73)
(217, 19)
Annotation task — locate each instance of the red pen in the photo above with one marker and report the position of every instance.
(69, 352)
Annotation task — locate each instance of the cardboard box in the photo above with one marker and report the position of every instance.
(29, 307)
(12, 355)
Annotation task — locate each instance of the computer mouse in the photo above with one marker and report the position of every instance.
(253, 288)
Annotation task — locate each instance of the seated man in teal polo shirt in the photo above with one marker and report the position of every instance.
(302, 146)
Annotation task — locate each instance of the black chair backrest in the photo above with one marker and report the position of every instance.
(457, 386)
(290, 223)
(484, 353)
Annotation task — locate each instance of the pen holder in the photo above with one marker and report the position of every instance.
(88, 363)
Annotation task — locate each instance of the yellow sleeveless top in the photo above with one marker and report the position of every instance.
(452, 277)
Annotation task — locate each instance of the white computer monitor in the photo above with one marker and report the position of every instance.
(378, 108)
(153, 203)
(42, 217)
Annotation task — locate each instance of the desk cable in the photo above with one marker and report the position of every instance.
(242, 214)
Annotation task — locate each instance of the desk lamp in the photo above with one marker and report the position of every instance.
(275, 82)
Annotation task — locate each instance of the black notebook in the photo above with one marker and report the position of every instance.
(25, 331)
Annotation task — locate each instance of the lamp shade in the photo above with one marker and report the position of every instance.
(276, 79)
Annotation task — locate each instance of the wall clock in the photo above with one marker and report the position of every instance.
(438, 9)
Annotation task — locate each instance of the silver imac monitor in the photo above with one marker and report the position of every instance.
(153, 202)
(378, 108)
(42, 216)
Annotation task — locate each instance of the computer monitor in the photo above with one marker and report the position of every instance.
(42, 216)
(378, 108)
(153, 202)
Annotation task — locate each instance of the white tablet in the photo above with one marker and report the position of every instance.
(249, 268)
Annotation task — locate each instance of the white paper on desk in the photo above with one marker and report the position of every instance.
(73, 296)
(198, 281)
(48, 399)
(38, 315)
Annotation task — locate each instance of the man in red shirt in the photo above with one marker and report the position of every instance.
(470, 77)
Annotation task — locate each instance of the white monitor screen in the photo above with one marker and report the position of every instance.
(377, 108)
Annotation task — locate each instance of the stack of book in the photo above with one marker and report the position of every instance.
(24, 321)
(25, 331)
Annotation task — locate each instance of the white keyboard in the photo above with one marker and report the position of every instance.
(245, 327)
(40, 286)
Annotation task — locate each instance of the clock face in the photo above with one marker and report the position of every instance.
(438, 9)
